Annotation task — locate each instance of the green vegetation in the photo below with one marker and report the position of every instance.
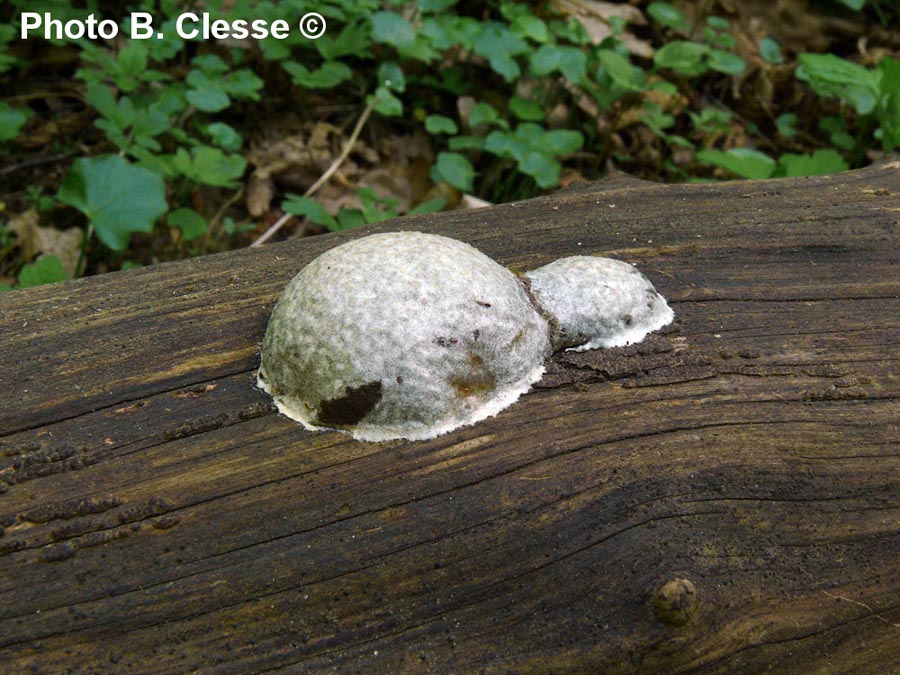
(163, 148)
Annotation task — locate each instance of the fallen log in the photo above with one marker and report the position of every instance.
(721, 498)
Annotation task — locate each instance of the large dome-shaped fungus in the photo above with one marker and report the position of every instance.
(401, 335)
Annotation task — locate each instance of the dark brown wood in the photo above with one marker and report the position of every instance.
(722, 498)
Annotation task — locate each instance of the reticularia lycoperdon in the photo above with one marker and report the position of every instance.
(411, 335)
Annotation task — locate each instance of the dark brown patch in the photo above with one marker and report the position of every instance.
(349, 409)
(627, 319)
(445, 341)
(482, 303)
(476, 334)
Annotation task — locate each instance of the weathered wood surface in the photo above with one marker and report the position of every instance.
(158, 516)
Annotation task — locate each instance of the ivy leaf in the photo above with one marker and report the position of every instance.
(744, 162)
(117, 197)
(455, 169)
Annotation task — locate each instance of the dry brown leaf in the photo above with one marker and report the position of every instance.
(35, 240)
(594, 15)
(260, 190)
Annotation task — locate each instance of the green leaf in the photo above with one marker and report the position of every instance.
(498, 45)
(856, 5)
(329, 75)
(435, 5)
(485, 113)
(243, 84)
(116, 197)
(726, 62)
(889, 69)
(830, 75)
(532, 27)
(770, 51)
(465, 143)
(454, 168)
(542, 167)
(570, 61)
(890, 122)
(47, 269)
(683, 57)
(386, 103)
(390, 75)
(621, 71)
(347, 218)
(562, 141)
(225, 136)
(11, 120)
(191, 223)
(526, 109)
(667, 15)
(209, 165)
(819, 163)
(391, 28)
(304, 206)
(718, 22)
(430, 206)
(787, 124)
(744, 162)
(439, 124)
(206, 93)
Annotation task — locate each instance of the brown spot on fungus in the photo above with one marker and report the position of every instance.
(353, 406)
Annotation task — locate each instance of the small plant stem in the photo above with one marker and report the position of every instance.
(348, 146)
(217, 218)
(82, 255)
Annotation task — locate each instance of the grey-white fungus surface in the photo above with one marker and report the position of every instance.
(598, 302)
(401, 335)
(411, 335)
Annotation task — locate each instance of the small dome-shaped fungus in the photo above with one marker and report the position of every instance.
(597, 302)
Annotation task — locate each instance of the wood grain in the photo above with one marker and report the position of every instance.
(722, 498)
